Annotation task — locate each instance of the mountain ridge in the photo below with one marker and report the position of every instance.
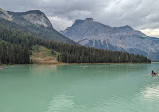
(94, 34)
(37, 22)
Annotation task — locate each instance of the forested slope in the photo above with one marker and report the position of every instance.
(37, 22)
(17, 45)
(13, 53)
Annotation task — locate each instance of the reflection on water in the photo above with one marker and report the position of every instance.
(43, 68)
(151, 92)
(60, 103)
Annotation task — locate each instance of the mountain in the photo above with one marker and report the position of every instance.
(94, 34)
(25, 38)
(17, 46)
(36, 22)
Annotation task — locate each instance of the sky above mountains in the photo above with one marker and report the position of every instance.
(140, 14)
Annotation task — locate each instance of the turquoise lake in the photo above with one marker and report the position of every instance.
(79, 88)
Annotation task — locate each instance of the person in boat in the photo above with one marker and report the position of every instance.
(1, 68)
(154, 73)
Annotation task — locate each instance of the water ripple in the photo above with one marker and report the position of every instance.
(60, 103)
(151, 92)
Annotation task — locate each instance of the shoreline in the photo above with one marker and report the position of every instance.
(73, 63)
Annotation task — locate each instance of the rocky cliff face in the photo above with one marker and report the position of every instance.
(4, 14)
(94, 34)
(33, 17)
(37, 22)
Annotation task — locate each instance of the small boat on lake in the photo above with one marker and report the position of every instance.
(154, 73)
(1, 68)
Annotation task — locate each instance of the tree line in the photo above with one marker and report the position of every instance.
(13, 53)
(16, 47)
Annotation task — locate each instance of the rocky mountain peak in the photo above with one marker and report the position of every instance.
(35, 12)
(35, 21)
(94, 34)
(127, 27)
(89, 19)
(35, 17)
(79, 21)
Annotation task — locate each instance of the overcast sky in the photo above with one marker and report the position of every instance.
(140, 14)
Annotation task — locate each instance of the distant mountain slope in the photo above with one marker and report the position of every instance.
(4, 14)
(94, 34)
(36, 22)
(17, 46)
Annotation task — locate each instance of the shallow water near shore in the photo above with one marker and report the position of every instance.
(79, 88)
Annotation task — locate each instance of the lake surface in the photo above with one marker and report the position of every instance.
(79, 88)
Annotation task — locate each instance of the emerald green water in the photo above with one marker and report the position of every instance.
(79, 88)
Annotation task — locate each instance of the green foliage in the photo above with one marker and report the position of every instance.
(43, 56)
(35, 48)
(13, 53)
(42, 52)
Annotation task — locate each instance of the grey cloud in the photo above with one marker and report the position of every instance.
(140, 14)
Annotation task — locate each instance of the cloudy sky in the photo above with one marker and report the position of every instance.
(140, 14)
